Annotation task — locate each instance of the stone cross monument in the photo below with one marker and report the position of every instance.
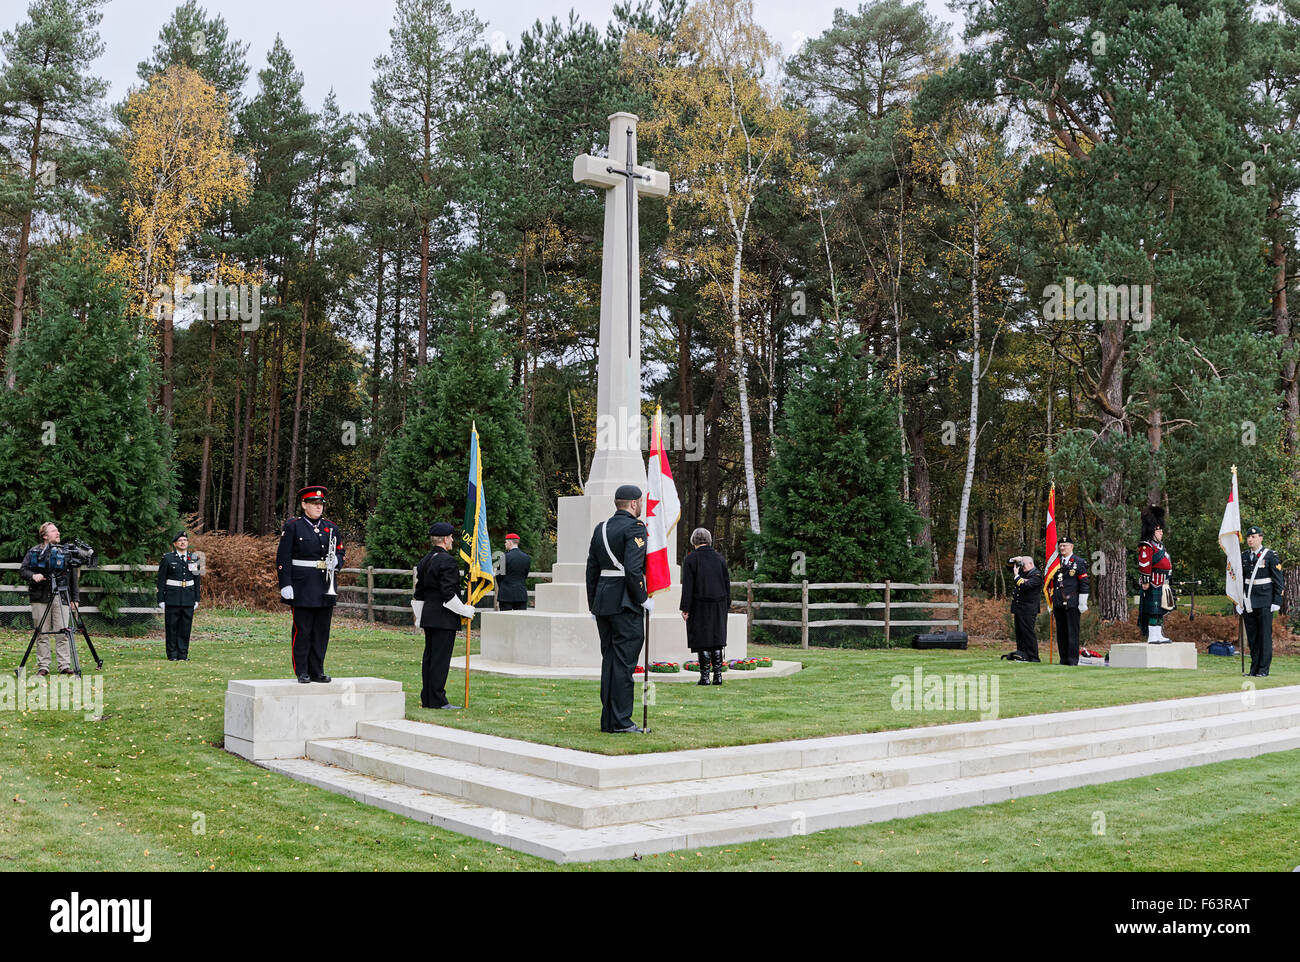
(560, 632)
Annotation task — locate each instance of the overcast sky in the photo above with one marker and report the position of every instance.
(335, 42)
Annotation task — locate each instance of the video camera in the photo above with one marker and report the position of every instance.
(72, 554)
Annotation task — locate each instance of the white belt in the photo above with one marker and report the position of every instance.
(610, 573)
(179, 584)
(310, 564)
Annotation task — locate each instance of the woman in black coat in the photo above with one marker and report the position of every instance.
(706, 599)
(437, 586)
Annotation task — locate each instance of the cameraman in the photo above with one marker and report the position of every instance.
(43, 569)
(1025, 600)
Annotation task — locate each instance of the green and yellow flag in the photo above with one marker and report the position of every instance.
(475, 546)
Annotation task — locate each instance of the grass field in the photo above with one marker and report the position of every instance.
(148, 788)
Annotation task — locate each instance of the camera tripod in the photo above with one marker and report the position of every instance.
(74, 621)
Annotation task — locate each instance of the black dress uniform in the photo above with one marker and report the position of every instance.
(1264, 588)
(1069, 584)
(706, 597)
(615, 595)
(512, 587)
(1026, 597)
(301, 563)
(437, 581)
(178, 590)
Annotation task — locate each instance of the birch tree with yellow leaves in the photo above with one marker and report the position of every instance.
(722, 131)
(183, 168)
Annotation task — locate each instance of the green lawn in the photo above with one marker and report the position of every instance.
(147, 787)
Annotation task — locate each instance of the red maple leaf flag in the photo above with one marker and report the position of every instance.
(662, 511)
(1230, 541)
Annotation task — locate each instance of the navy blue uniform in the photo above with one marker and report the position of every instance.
(178, 588)
(1264, 586)
(512, 586)
(437, 580)
(1025, 600)
(615, 598)
(1068, 585)
(301, 563)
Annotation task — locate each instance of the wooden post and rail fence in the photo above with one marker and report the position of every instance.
(372, 599)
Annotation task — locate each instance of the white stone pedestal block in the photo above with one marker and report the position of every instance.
(276, 717)
(1177, 654)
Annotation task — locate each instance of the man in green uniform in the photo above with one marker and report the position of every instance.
(178, 595)
(616, 596)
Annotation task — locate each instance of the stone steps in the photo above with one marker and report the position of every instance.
(562, 843)
(552, 798)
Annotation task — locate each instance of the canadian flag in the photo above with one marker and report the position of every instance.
(662, 511)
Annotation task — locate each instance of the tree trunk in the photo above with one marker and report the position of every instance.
(1110, 584)
(24, 248)
(921, 468)
(205, 468)
(422, 357)
(747, 432)
(236, 439)
(973, 424)
(713, 475)
(250, 413)
(375, 372)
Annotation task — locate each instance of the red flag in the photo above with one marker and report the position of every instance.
(662, 511)
(1053, 558)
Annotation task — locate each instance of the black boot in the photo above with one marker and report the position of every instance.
(704, 668)
(717, 666)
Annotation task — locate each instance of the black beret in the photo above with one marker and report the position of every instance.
(1253, 530)
(179, 535)
(441, 529)
(627, 492)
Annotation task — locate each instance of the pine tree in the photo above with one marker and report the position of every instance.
(424, 469)
(78, 441)
(833, 488)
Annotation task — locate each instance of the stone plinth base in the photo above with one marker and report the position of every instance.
(1177, 654)
(276, 717)
(557, 639)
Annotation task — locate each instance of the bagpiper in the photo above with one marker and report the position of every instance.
(178, 595)
(1155, 568)
(309, 556)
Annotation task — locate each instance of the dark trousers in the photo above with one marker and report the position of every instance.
(621, 637)
(1259, 637)
(311, 636)
(438, 643)
(179, 619)
(514, 605)
(1026, 633)
(1067, 634)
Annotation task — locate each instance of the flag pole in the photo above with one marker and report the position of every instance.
(645, 679)
(469, 623)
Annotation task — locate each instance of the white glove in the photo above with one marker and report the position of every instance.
(196, 606)
(1083, 603)
(459, 607)
(648, 604)
(1275, 608)
(287, 592)
(1240, 610)
(162, 606)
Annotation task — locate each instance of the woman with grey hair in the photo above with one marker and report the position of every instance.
(706, 599)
